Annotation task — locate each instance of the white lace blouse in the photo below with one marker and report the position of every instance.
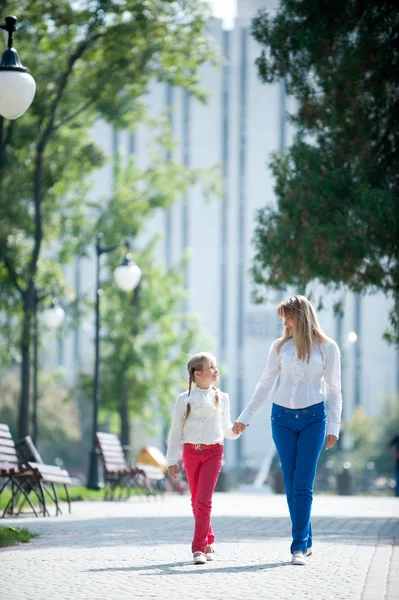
(300, 384)
(206, 424)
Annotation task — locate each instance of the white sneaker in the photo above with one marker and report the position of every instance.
(298, 558)
(209, 553)
(199, 558)
(308, 552)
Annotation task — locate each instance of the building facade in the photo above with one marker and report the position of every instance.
(242, 123)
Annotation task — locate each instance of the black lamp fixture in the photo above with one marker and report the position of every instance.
(17, 87)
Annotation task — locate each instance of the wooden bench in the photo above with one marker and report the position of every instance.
(117, 472)
(26, 477)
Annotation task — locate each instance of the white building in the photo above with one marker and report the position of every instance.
(243, 122)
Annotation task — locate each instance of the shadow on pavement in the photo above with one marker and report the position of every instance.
(154, 531)
(173, 568)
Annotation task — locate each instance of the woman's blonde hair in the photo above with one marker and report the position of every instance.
(197, 363)
(307, 328)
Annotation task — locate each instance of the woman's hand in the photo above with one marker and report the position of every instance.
(239, 427)
(331, 441)
(173, 471)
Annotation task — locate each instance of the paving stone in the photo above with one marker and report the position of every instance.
(141, 549)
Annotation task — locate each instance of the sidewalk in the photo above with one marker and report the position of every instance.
(141, 549)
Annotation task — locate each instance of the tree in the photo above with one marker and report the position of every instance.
(337, 214)
(91, 60)
(146, 336)
(146, 343)
(60, 418)
(370, 436)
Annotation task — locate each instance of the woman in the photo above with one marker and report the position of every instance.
(307, 364)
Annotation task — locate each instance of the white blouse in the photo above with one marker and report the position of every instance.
(206, 424)
(300, 384)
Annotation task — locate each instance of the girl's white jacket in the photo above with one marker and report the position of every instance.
(206, 424)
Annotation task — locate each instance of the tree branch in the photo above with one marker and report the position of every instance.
(13, 276)
(73, 114)
(64, 81)
(37, 178)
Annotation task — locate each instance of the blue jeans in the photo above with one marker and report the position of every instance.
(299, 436)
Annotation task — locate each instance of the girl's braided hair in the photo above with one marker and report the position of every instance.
(197, 363)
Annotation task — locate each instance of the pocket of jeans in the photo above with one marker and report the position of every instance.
(319, 416)
(276, 416)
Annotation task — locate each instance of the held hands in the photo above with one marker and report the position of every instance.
(173, 471)
(239, 427)
(331, 441)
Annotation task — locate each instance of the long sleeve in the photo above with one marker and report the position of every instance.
(332, 378)
(176, 432)
(264, 387)
(227, 424)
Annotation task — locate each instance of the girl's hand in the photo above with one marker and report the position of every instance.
(331, 441)
(173, 471)
(239, 427)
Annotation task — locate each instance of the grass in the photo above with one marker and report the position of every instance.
(80, 493)
(12, 536)
(76, 493)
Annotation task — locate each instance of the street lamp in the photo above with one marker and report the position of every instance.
(53, 317)
(344, 441)
(352, 337)
(126, 276)
(351, 340)
(17, 87)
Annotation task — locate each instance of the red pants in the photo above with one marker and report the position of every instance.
(202, 467)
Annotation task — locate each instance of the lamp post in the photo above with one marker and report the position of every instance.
(53, 317)
(345, 345)
(126, 276)
(351, 340)
(344, 479)
(17, 87)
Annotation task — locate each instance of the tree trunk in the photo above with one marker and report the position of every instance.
(124, 420)
(29, 296)
(26, 336)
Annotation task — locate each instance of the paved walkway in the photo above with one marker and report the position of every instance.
(141, 549)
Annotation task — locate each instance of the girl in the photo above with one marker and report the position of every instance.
(307, 364)
(201, 421)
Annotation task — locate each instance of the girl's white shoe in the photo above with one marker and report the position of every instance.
(298, 558)
(199, 558)
(308, 552)
(209, 552)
